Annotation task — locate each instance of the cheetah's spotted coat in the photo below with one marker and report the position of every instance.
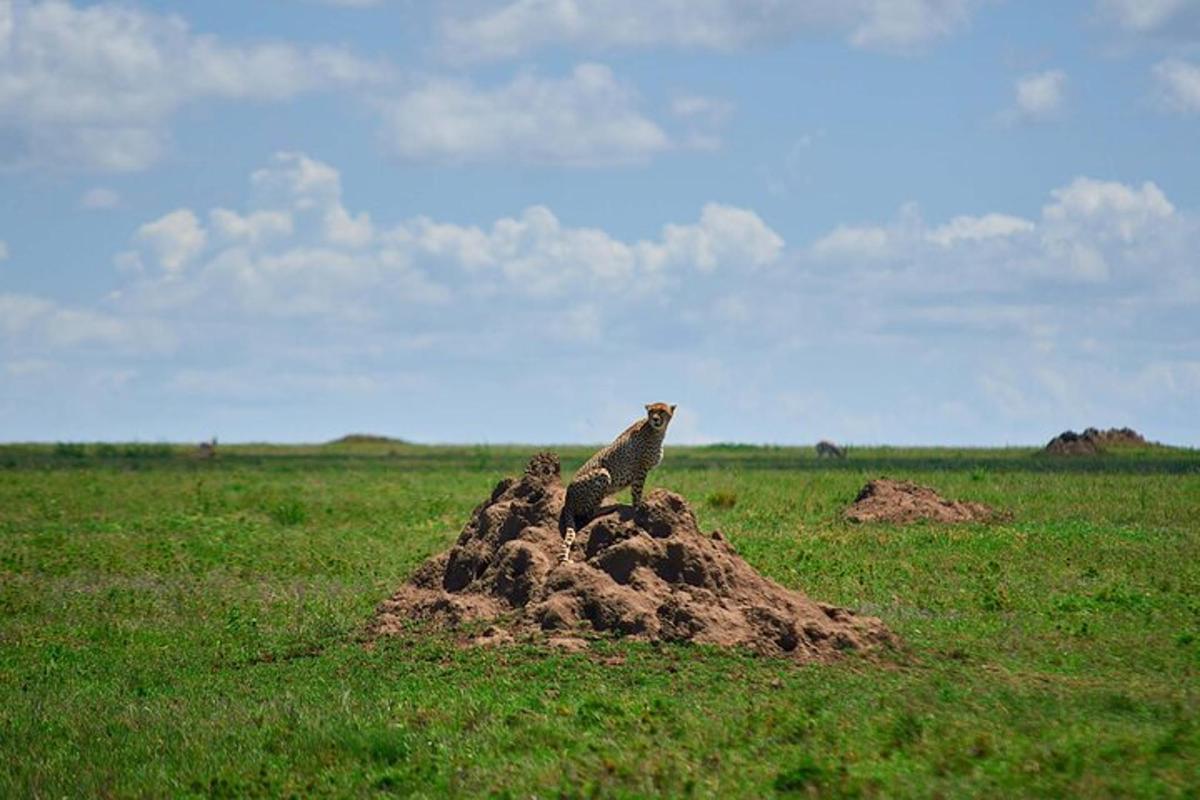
(625, 462)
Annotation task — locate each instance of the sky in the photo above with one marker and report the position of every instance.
(955, 222)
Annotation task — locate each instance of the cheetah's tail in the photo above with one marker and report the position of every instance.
(568, 540)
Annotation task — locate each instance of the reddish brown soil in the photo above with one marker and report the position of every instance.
(886, 500)
(1092, 441)
(646, 573)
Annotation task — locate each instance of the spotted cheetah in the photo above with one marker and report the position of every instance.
(625, 462)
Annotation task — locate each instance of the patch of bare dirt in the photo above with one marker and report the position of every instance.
(647, 573)
(1093, 441)
(886, 500)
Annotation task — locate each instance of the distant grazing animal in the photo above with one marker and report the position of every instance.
(207, 449)
(827, 448)
(625, 462)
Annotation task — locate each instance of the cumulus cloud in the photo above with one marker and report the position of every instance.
(302, 184)
(174, 239)
(253, 228)
(511, 28)
(1107, 208)
(853, 241)
(1090, 232)
(1082, 312)
(300, 252)
(536, 254)
(587, 118)
(95, 86)
(1038, 96)
(1178, 84)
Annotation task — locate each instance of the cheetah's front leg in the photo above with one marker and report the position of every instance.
(639, 483)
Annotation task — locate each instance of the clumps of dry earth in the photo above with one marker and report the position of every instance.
(887, 500)
(648, 574)
(1093, 441)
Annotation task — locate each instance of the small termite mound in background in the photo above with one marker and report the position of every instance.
(1093, 442)
(887, 500)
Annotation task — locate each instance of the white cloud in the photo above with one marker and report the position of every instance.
(29, 322)
(1039, 96)
(253, 228)
(851, 241)
(299, 181)
(301, 252)
(725, 236)
(537, 255)
(1105, 207)
(99, 198)
(587, 118)
(1145, 16)
(508, 29)
(175, 239)
(1082, 313)
(1090, 232)
(966, 228)
(302, 184)
(1178, 84)
(95, 86)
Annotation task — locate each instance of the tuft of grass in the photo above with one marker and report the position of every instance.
(721, 499)
(799, 778)
(289, 512)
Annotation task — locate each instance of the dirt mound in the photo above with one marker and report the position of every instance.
(646, 573)
(1093, 441)
(886, 500)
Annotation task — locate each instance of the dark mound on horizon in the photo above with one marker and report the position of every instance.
(887, 500)
(1093, 442)
(647, 574)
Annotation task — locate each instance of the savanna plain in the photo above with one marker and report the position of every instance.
(177, 626)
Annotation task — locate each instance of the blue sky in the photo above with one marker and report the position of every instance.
(875, 221)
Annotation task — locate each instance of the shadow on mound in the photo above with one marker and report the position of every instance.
(646, 573)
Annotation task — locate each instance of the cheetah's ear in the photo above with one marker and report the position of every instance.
(648, 406)
(672, 410)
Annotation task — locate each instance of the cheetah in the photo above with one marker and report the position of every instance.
(827, 448)
(625, 462)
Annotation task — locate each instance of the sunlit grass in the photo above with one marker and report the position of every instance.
(170, 625)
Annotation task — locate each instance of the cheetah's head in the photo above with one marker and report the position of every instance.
(659, 415)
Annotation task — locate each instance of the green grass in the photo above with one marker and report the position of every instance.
(171, 626)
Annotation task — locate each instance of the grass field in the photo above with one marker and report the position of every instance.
(174, 627)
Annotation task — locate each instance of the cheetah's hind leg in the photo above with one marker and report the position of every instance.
(584, 496)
